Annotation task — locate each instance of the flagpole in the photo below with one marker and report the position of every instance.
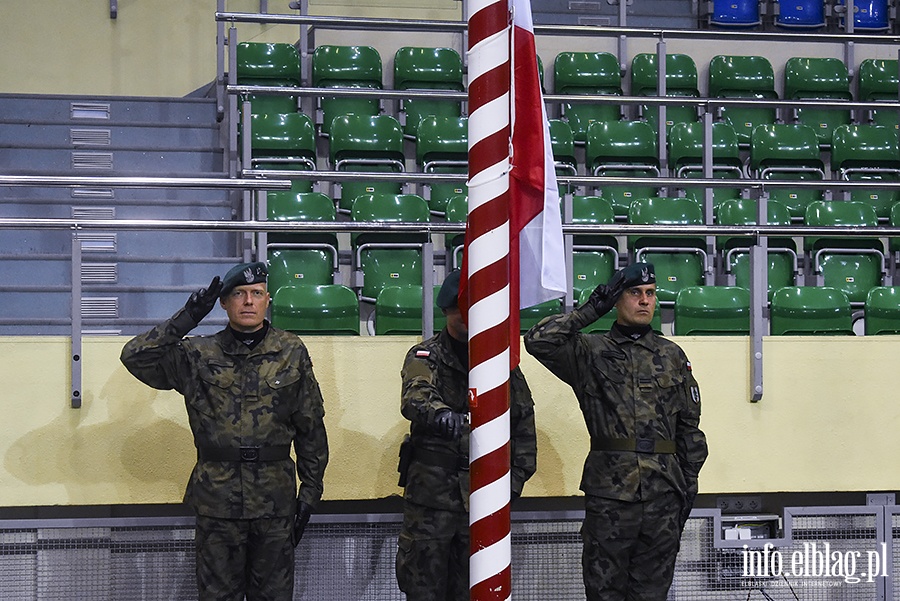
(488, 275)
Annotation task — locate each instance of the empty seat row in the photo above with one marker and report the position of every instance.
(795, 310)
(808, 15)
(698, 310)
(575, 73)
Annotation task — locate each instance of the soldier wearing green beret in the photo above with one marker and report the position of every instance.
(433, 546)
(641, 405)
(250, 394)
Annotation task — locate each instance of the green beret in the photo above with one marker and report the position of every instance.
(449, 293)
(636, 274)
(242, 275)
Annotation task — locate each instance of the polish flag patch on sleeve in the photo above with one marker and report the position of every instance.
(423, 353)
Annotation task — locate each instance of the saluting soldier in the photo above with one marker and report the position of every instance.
(641, 405)
(433, 546)
(250, 394)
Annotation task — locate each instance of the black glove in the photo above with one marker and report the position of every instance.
(605, 296)
(448, 424)
(301, 519)
(202, 302)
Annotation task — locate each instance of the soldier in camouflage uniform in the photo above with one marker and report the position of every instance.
(433, 547)
(250, 393)
(641, 405)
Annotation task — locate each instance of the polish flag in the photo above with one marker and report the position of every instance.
(537, 259)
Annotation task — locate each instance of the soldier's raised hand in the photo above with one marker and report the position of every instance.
(605, 296)
(202, 302)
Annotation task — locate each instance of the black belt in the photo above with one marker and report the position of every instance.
(447, 461)
(634, 445)
(244, 454)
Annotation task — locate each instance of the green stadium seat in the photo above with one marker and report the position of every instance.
(594, 257)
(387, 259)
(427, 69)
(679, 261)
(686, 146)
(398, 310)
(735, 251)
(810, 310)
(283, 141)
(327, 309)
(712, 310)
(883, 311)
(442, 146)
(868, 153)
(591, 74)
(852, 265)
(606, 321)
(787, 152)
(364, 143)
(879, 80)
(743, 77)
(818, 79)
(345, 67)
(268, 64)
(529, 317)
(622, 149)
(894, 220)
(307, 258)
(457, 212)
(562, 143)
(681, 80)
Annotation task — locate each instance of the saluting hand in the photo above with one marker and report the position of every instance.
(605, 296)
(202, 302)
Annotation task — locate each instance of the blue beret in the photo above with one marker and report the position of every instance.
(242, 275)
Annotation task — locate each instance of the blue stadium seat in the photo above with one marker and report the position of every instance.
(734, 14)
(800, 14)
(868, 15)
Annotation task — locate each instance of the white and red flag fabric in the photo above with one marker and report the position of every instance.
(536, 253)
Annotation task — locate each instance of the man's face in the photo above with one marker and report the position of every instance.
(455, 324)
(246, 307)
(636, 305)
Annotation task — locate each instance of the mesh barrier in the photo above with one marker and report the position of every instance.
(351, 558)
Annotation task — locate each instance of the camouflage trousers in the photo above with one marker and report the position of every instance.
(245, 557)
(630, 548)
(433, 554)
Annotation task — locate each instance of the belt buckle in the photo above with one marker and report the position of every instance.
(249, 454)
(644, 445)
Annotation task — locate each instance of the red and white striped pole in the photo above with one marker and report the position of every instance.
(488, 274)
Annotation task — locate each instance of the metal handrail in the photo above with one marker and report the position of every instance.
(750, 231)
(369, 23)
(698, 101)
(202, 183)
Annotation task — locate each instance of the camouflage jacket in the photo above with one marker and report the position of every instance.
(235, 397)
(627, 389)
(434, 378)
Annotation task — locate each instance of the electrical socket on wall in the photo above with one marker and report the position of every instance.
(739, 504)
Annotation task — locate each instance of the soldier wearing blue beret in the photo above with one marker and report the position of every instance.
(250, 394)
(641, 405)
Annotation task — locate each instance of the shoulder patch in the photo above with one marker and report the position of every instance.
(423, 353)
(688, 364)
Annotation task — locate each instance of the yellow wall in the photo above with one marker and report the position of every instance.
(828, 421)
(158, 48)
